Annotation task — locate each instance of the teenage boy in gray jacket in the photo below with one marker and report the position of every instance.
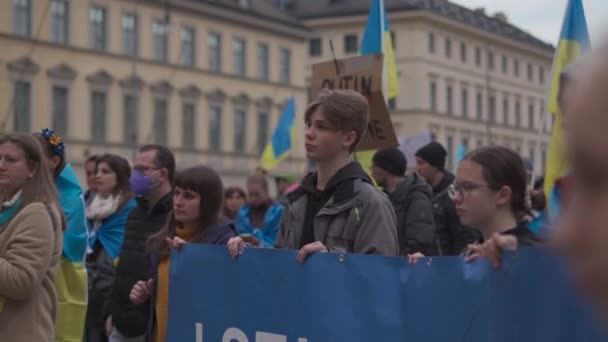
(336, 208)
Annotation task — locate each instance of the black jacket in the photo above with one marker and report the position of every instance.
(415, 224)
(451, 236)
(134, 264)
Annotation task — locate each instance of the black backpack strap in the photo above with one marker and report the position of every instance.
(53, 218)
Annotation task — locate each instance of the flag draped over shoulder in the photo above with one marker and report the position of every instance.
(283, 139)
(377, 39)
(574, 41)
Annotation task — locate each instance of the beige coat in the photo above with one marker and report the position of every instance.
(29, 256)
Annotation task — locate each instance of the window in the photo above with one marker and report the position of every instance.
(262, 130)
(465, 143)
(516, 67)
(479, 106)
(532, 155)
(465, 103)
(188, 125)
(244, 3)
(160, 121)
(491, 60)
(188, 46)
(238, 56)
(59, 21)
(98, 120)
(214, 43)
(22, 17)
(504, 64)
(394, 40)
(60, 110)
(543, 159)
(492, 108)
(159, 30)
(392, 104)
(450, 148)
(448, 95)
(448, 48)
(97, 18)
(215, 127)
(479, 143)
(285, 65)
(530, 74)
(315, 47)
(129, 34)
(130, 108)
(433, 96)
(463, 52)
(263, 62)
(351, 43)
(531, 119)
(239, 131)
(505, 111)
(431, 42)
(517, 114)
(478, 56)
(541, 75)
(23, 107)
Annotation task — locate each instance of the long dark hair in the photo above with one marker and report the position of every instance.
(208, 185)
(120, 166)
(40, 188)
(502, 166)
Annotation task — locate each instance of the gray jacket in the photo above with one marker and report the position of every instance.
(363, 222)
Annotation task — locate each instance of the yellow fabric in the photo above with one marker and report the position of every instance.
(162, 291)
(71, 301)
(392, 82)
(557, 166)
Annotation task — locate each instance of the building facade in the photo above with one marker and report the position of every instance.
(209, 79)
(466, 77)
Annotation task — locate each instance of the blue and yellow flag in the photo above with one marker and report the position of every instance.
(377, 39)
(574, 41)
(283, 138)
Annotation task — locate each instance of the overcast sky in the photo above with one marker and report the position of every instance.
(543, 18)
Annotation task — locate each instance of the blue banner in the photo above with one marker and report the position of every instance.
(267, 296)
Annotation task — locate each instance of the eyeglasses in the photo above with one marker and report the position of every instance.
(464, 189)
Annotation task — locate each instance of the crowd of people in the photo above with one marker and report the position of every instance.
(94, 265)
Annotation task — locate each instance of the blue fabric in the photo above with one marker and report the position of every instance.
(71, 201)
(282, 137)
(372, 39)
(334, 297)
(266, 234)
(575, 25)
(111, 234)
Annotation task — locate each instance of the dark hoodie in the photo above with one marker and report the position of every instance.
(341, 184)
(451, 236)
(415, 224)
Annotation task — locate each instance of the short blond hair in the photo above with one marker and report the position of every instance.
(345, 110)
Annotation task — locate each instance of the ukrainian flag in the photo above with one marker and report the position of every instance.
(377, 39)
(574, 41)
(283, 138)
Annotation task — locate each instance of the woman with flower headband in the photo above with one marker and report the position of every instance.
(71, 276)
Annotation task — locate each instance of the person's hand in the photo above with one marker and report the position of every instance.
(251, 240)
(175, 243)
(493, 249)
(412, 259)
(315, 247)
(235, 246)
(141, 291)
(108, 325)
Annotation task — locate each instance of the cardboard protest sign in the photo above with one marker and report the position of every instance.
(364, 75)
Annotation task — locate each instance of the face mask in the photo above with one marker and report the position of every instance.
(141, 185)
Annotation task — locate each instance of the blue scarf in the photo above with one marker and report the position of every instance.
(9, 209)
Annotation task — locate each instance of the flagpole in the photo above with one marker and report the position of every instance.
(545, 111)
(382, 29)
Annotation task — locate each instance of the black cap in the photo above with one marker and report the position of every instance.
(391, 160)
(434, 154)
